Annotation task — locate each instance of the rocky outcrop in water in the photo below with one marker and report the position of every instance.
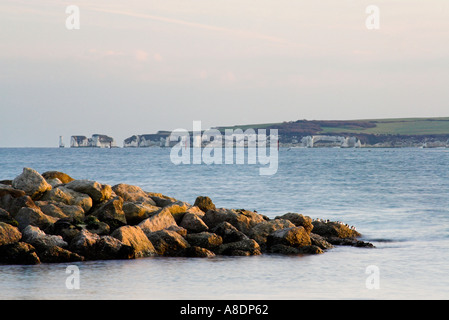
(77, 220)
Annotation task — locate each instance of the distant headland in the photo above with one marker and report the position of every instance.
(372, 133)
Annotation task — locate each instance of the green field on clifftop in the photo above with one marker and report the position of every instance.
(399, 126)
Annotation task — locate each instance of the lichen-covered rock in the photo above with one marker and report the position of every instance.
(9, 234)
(31, 182)
(293, 237)
(298, 220)
(204, 203)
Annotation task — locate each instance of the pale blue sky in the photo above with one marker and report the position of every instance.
(140, 66)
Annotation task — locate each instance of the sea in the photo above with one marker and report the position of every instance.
(398, 199)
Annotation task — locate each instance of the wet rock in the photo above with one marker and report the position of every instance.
(198, 252)
(9, 234)
(320, 242)
(168, 243)
(97, 191)
(59, 255)
(240, 248)
(136, 238)
(31, 182)
(334, 229)
(298, 220)
(204, 203)
(19, 253)
(208, 240)
(293, 237)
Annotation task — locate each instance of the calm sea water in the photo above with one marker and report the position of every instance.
(397, 198)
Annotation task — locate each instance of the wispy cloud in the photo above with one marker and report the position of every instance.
(234, 32)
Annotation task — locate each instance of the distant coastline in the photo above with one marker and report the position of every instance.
(374, 133)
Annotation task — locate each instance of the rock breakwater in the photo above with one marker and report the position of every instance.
(53, 218)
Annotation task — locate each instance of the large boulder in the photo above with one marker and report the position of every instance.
(130, 193)
(177, 209)
(40, 240)
(136, 238)
(97, 191)
(59, 255)
(35, 217)
(204, 203)
(193, 223)
(198, 252)
(298, 220)
(112, 213)
(263, 230)
(19, 253)
(334, 229)
(95, 247)
(61, 210)
(69, 197)
(243, 220)
(293, 237)
(229, 233)
(31, 182)
(168, 243)
(61, 176)
(136, 212)
(9, 234)
(159, 221)
(208, 240)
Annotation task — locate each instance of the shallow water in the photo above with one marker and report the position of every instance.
(397, 198)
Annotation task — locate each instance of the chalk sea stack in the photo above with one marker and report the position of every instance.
(54, 218)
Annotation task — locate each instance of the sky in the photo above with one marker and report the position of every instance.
(139, 66)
